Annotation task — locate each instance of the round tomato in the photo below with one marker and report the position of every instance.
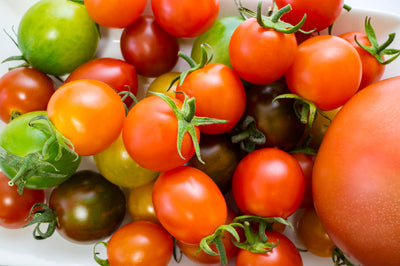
(140, 203)
(148, 47)
(87, 112)
(185, 19)
(306, 162)
(326, 71)
(115, 14)
(272, 170)
(140, 243)
(188, 204)
(24, 90)
(162, 84)
(355, 180)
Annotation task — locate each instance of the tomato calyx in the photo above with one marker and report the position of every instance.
(102, 262)
(339, 259)
(247, 135)
(44, 215)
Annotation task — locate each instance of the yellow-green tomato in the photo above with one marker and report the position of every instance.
(162, 83)
(140, 204)
(119, 168)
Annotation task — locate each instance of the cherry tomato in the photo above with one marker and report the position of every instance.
(185, 19)
(87, 112)
(272, 170)
(162, 83)
(24, 90)
(306, 163)
(140, 203)
(188, 204)
(319, 127)
(148, 47)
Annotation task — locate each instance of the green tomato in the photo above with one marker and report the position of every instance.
(56, 36)
(218, 37)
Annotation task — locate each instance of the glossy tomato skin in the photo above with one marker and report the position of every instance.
(326, 71)
(219, 93)
(140, 203)
(185, 19)
(24, 90)
(117, 73)
(89, 113)
(150, 135)
(162, 83)
(306, 162)
(148, 47)
(260, 55)
(140, 243)
(15, 208)
(188, 204)
(88, 207)
(268, 182)
(285, 253)
(355, 185)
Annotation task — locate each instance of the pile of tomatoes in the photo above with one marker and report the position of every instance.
(214, 158)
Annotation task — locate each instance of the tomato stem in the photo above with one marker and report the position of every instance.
(247, 134)
(44, 215)
(102, 262)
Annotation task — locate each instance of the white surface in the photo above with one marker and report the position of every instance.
(17, 247)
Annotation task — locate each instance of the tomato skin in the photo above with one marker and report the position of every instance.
(326, 71)
(162, 83)
(24, 90)
(114, 72)
(285, 253)
(188, 214)
(355, 185)
(185, 19)
(306, 163)
(260, 56)
(15, 208)
(148, 47)
(155, 149)
(89, 113)
(273, 170)
(135, 242)
(140, 203)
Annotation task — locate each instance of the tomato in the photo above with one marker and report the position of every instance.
(319, 127)
(261, 55)
(140, 243)
(320, 15)
(115, 14)
(185, 19)
(285, 253)
(326, 71)
(140, 203)
(15, 208)
(115, 164)
(87, 112)
(355, 185)
(55, 37)
(306, 162)
(117, 73)
(162, 83)
(313, 235)
(148, 47)
(24, 90)
(272, 170)
(188, 204)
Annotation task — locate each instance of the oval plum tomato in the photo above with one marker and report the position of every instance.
(306, 162)
(355, 180)
(185, 19)
(261, 55)
(15, 208)
(24, 90)
(115, 14)
(285, 253)
(117, 73)
(188, 204)
(272, 170)
(140, 243)
(326, 71)
(320, 14)
(140, 203)
(148, 47)
(87, 112)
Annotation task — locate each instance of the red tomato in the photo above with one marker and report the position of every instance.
(117, 73)
(261, 55)
(326, 71)
(268, 182)
(285, 253)
(188, 204)
(148, 47)
(116, 13)
(219, 94)
(24, 90)
(140, 243)
(320, 14)
(306, 163)
(185, 19)
(356, 189)
(15, 208)
(87, 112)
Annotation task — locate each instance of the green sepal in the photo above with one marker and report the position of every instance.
(45, 215)
(247, 134)
(339, 259)
(102, 262)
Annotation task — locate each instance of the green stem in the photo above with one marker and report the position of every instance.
(45, 215)
(102, 262)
